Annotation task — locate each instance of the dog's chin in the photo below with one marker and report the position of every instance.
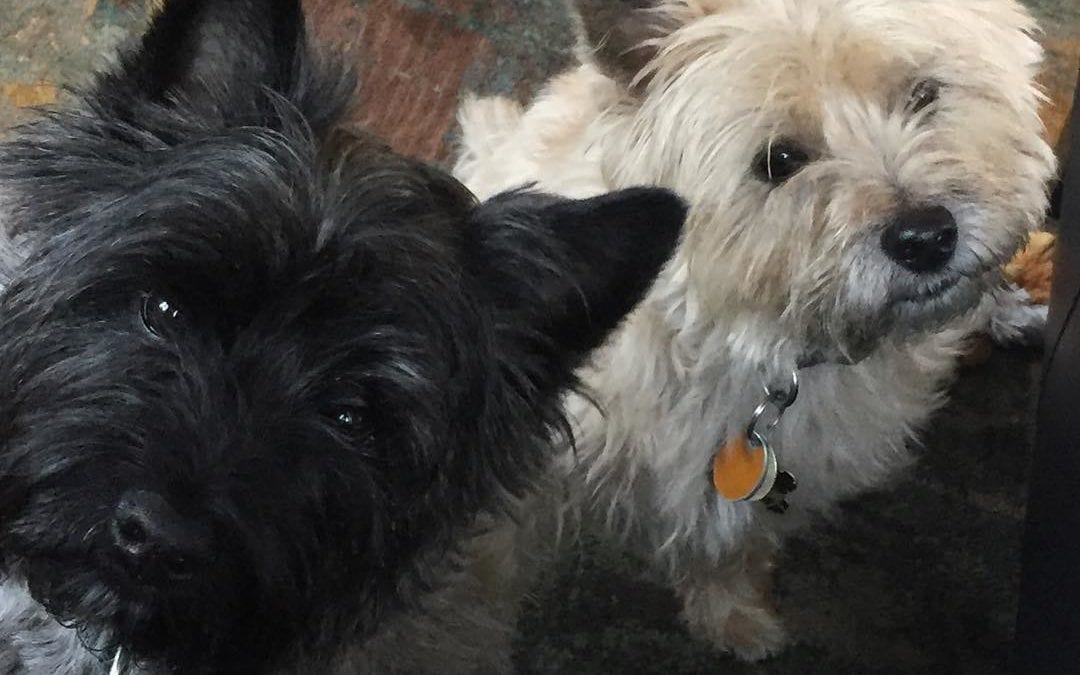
(930, 305)
(80, 601)
(109, 612)
(193, 629)
(910, 312)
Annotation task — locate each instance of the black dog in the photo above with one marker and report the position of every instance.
(258, 375)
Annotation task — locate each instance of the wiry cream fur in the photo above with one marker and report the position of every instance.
(768, 276)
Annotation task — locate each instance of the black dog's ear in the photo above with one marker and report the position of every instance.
(616, 35)
(216, 49)
(568, 271)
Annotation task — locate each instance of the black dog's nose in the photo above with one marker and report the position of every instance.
(152, 539)
(922, 239)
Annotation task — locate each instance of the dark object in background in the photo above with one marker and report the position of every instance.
(1048, 625)
(1056, 195)
(1063, 151)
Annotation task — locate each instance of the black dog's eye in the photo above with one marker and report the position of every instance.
(347, 417)
(923, 95)
(157, 313)
(779, 161)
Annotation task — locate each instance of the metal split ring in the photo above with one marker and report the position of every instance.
(784, 398)
(753, 432)
(778, 400)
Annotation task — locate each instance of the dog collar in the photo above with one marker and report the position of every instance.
(745, 468)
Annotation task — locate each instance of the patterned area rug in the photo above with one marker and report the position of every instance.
(921, 578)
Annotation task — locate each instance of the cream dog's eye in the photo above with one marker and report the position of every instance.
(780, 160)
(924, 94)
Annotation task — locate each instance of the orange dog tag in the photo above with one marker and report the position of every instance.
(742, 471)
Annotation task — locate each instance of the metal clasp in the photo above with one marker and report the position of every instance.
(777, 401)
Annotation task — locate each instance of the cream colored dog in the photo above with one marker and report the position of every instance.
(858, 172)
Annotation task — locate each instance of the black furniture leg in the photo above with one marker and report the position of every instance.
(1048, 623)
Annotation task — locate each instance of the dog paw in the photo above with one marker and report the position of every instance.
(1016, 320)
(748, 631)
(754, 634)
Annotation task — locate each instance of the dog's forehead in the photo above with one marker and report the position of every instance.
(795, 63)
(790, 58)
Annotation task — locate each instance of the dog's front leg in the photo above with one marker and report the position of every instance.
(727, 602)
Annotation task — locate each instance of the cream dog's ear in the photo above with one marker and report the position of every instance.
(622, 36)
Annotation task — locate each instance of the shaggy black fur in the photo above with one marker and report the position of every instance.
(258, 374)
